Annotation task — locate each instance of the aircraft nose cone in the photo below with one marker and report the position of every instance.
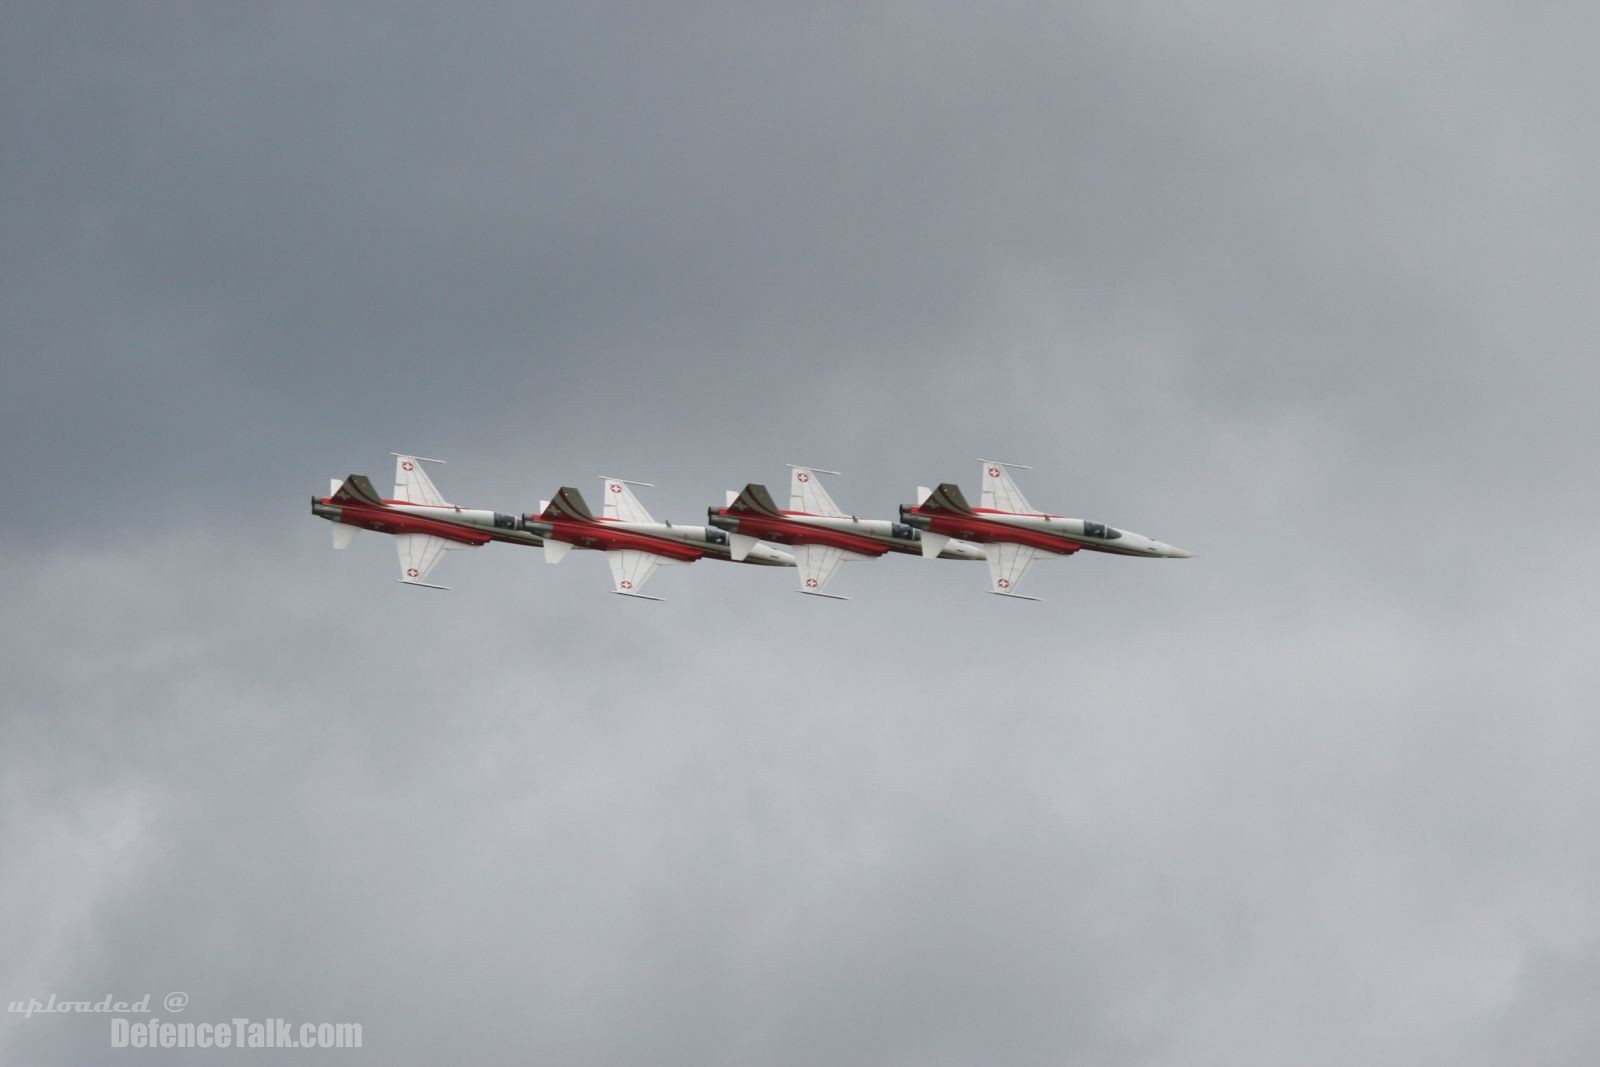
(1178, 553)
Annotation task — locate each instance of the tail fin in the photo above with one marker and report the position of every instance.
(947, 498)
(412, 485)
(1000, 492)
(357, 489)
(754, 500)
(621, 504)
(806, 493)
(568, 504)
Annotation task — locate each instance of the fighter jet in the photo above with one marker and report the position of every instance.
(1015, 532)
(422, 522)
(635, 544)
(823, 535)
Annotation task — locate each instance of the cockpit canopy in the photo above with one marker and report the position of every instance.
(1101, 531)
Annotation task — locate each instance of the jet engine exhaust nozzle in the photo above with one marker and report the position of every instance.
(921, 522)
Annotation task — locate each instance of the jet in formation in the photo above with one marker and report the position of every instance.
(824, 537)
(820, 537)
(425, 525)
(1013, 532)
(635, 544)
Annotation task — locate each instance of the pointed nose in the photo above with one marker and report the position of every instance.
(1178, 553)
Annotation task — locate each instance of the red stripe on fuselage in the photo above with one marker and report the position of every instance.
(385, 520)
(976, 528)
(596, 536)
(784, 532)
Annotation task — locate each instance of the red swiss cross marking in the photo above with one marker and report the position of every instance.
(408, 466)
(615, 488)
(994, 472)
(1004, 583)
(625, 584)
(412, 572)
(802, 476)
(811, 583)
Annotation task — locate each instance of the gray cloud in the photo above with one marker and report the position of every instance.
(1307, 293)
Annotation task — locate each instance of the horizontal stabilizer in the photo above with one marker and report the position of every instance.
(947, 499)
(556, 551)
(739, 546)
(343, 535)
(923, 492)
(933, 544)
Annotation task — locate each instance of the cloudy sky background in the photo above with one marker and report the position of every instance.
(1309, 294)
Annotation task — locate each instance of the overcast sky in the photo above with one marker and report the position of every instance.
(1310, 294)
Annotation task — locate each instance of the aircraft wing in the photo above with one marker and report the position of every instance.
(807, 495)
(621, 504)
(1008, 562)
(1000, 490)
(818, 564)
(413, 485)
(631, 568)
(419, 554)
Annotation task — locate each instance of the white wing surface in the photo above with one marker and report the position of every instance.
(413, 486)
(621, 504)
(818, 564)
(807, 495)
(1008, 562)
(630, 569)
(1000, 492)
(419, 554)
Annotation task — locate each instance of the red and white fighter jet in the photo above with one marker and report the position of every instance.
(1014, 532)
(824, 537)
(635, 544)
(422, 522)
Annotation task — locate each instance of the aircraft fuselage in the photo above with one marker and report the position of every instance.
(465, 525)
(868, 537)
(1048, 533)
(710, 541)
